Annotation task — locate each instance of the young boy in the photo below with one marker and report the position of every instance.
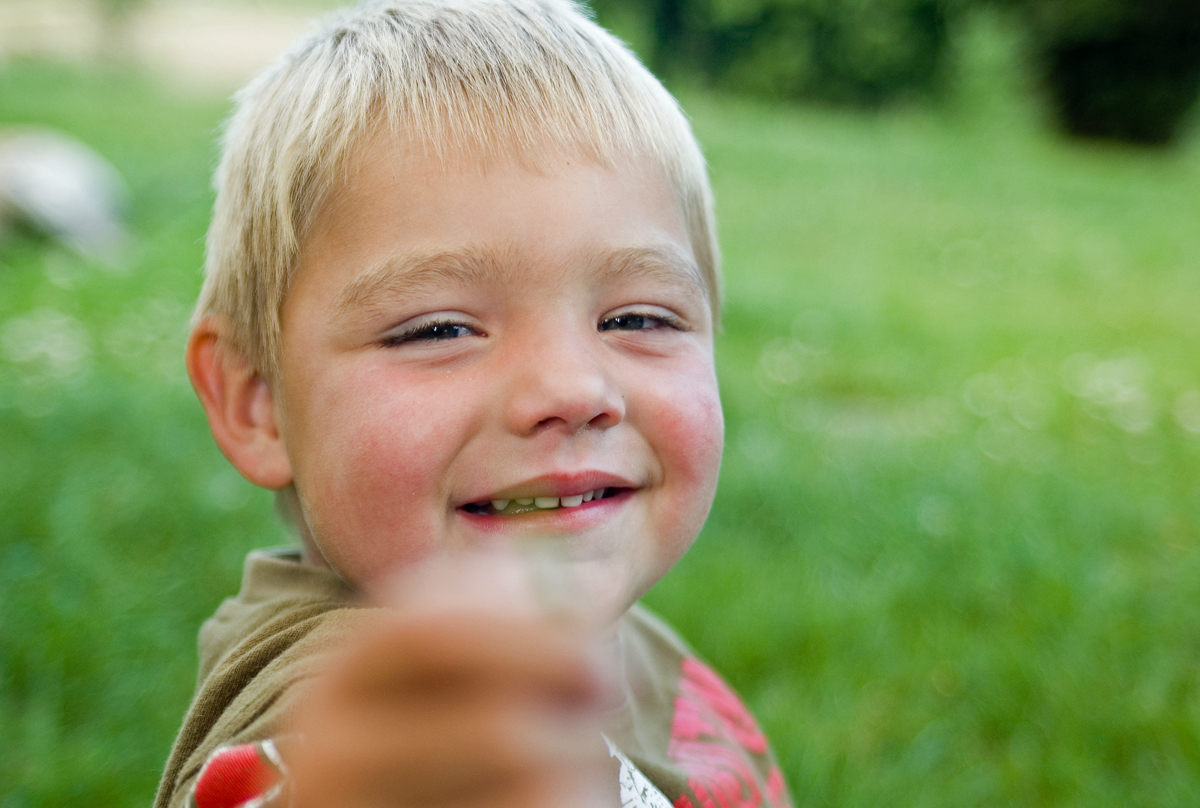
(461, 288)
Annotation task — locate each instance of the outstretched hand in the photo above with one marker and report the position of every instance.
(466, 692)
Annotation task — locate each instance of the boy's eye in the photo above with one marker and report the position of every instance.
(430, 332)
(636, 322)
(624, 322)
(442, 331)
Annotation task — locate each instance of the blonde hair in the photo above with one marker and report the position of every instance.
(482, 77)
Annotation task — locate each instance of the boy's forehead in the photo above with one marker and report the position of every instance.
(389, 163)
(387, 156)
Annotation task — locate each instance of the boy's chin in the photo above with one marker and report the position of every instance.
(598, 594)
(591, 592)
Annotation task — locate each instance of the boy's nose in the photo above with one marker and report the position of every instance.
(562, 385)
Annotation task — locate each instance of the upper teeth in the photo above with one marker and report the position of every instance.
(547, 503)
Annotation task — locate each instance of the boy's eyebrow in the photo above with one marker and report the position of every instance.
(411, 274)
(662, 262)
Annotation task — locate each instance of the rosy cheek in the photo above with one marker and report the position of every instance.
(370, 480)
(698, 430)
(690, 443)
(688, 440)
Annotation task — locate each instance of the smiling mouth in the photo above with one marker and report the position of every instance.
(513, 507)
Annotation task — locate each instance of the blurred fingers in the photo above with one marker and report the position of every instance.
(445, 656)
(482, 752)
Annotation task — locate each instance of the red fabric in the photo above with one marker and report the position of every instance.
(233, 777)
(776, 790)
(711, 734)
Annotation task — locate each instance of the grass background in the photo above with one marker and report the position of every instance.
(955, 555)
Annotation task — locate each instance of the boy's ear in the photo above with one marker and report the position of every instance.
(240, 406)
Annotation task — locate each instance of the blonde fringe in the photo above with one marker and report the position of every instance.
(481, 77)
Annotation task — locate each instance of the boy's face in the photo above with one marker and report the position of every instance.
(459, 337)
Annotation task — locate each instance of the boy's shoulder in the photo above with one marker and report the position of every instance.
(278, 592)
(285, 620)
(685, 728)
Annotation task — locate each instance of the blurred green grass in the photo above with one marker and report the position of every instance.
(955, 556)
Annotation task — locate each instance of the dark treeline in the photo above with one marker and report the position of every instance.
(1124, 69)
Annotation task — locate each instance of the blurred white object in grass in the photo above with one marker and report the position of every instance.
(62, 188)
(1187, 410)
(47, 343)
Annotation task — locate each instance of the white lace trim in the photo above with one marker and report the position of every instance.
(636, 789)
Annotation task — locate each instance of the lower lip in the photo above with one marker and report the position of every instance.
(566, 519)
